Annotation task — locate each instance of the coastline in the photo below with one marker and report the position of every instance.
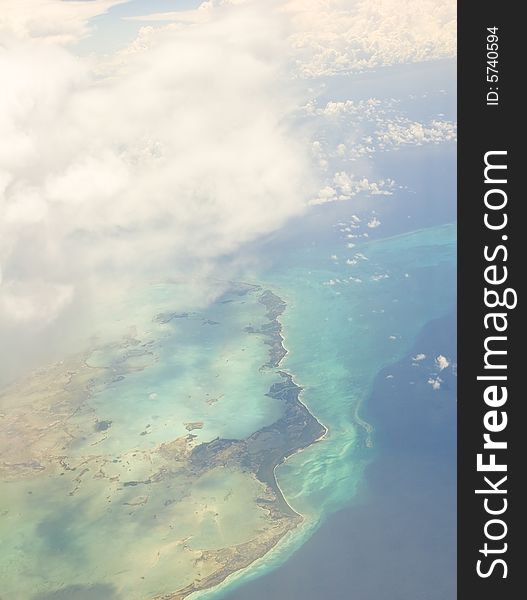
(74, 382)
(275, 307)
(262, 452)
(325, 560)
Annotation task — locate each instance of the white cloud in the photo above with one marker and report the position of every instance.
(34, 302)
(442, 362)
(145, 162)
(379, 277)
(370, 108)
(435, 382)
(406, 132)
(144, 165)
(364, 127)
(346, 185)
(373, 223)
(332, 36)
(419, 357)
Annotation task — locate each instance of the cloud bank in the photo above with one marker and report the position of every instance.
(172, 153)
(174, 156)
(343, 36)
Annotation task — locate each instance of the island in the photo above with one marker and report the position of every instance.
(53, 440)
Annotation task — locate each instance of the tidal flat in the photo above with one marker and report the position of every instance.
(135, 470)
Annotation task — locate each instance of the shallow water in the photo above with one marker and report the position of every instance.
(100, 504)
(396, 539)
(351, 311)
(340, 336)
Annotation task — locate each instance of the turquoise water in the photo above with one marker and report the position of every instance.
(406, 499)
(110, 504)
(355, 329)
(351, 310)
(202, 367)
(343, 324)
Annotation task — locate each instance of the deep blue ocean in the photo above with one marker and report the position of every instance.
(387, 521)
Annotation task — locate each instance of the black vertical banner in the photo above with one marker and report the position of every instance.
(491, 254)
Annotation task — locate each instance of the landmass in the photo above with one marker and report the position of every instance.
(37, 436)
